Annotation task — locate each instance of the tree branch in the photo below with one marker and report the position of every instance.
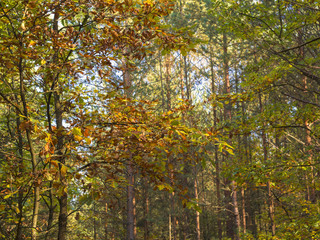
(301, 45)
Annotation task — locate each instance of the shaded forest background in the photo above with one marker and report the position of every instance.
(186, 119)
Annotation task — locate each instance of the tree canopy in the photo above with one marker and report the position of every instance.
(143, 119)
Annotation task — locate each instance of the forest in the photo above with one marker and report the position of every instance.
(159, 119)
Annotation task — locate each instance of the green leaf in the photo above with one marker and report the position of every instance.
(175, 122)
(76, 131)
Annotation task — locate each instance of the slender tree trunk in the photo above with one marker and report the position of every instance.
(21, 170)
(240, 153)
(186, 79)
(247, 160)
(184, 230)
(166, 106)
(168, 88)
(172, 228)
(161, 83)
(106, 232)
(311, 191)
(58, 108)
(94, 221)
(51, 208)
(182, 77)
(265, 156)
(217, 165)
(130, 204)
(63, 200)
(228, 117)
(172, 210)
(196, 193)
(244, 223)
(146, 212)
(131, 228)
(134, 210)
(20, 150)
(252, 206)
(36, 187)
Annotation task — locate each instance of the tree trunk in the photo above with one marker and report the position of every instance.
(197, 199)
(146, 212)
(21, 170)
(244, 223)
(172, 228)
(94, 221)
(265, 156)
(63, 200)
(161, 84)
(235, 223)
(36, 184)
(217, 165)
(130, 203)
(186, 79)
(106, 232)
(172, 211)
(311, 188)
(168, 88)
(51, 210)
(131, 228)
(50, 214)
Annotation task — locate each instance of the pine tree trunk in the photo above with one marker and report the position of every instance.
(131, 229)
(234, 218)
(217, 165)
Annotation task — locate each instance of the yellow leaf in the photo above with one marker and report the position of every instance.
(77, 131)
(63, 170)
(78, 138)
(31, 43)
(88, 140)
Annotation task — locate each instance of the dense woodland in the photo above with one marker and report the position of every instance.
(144, 119)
